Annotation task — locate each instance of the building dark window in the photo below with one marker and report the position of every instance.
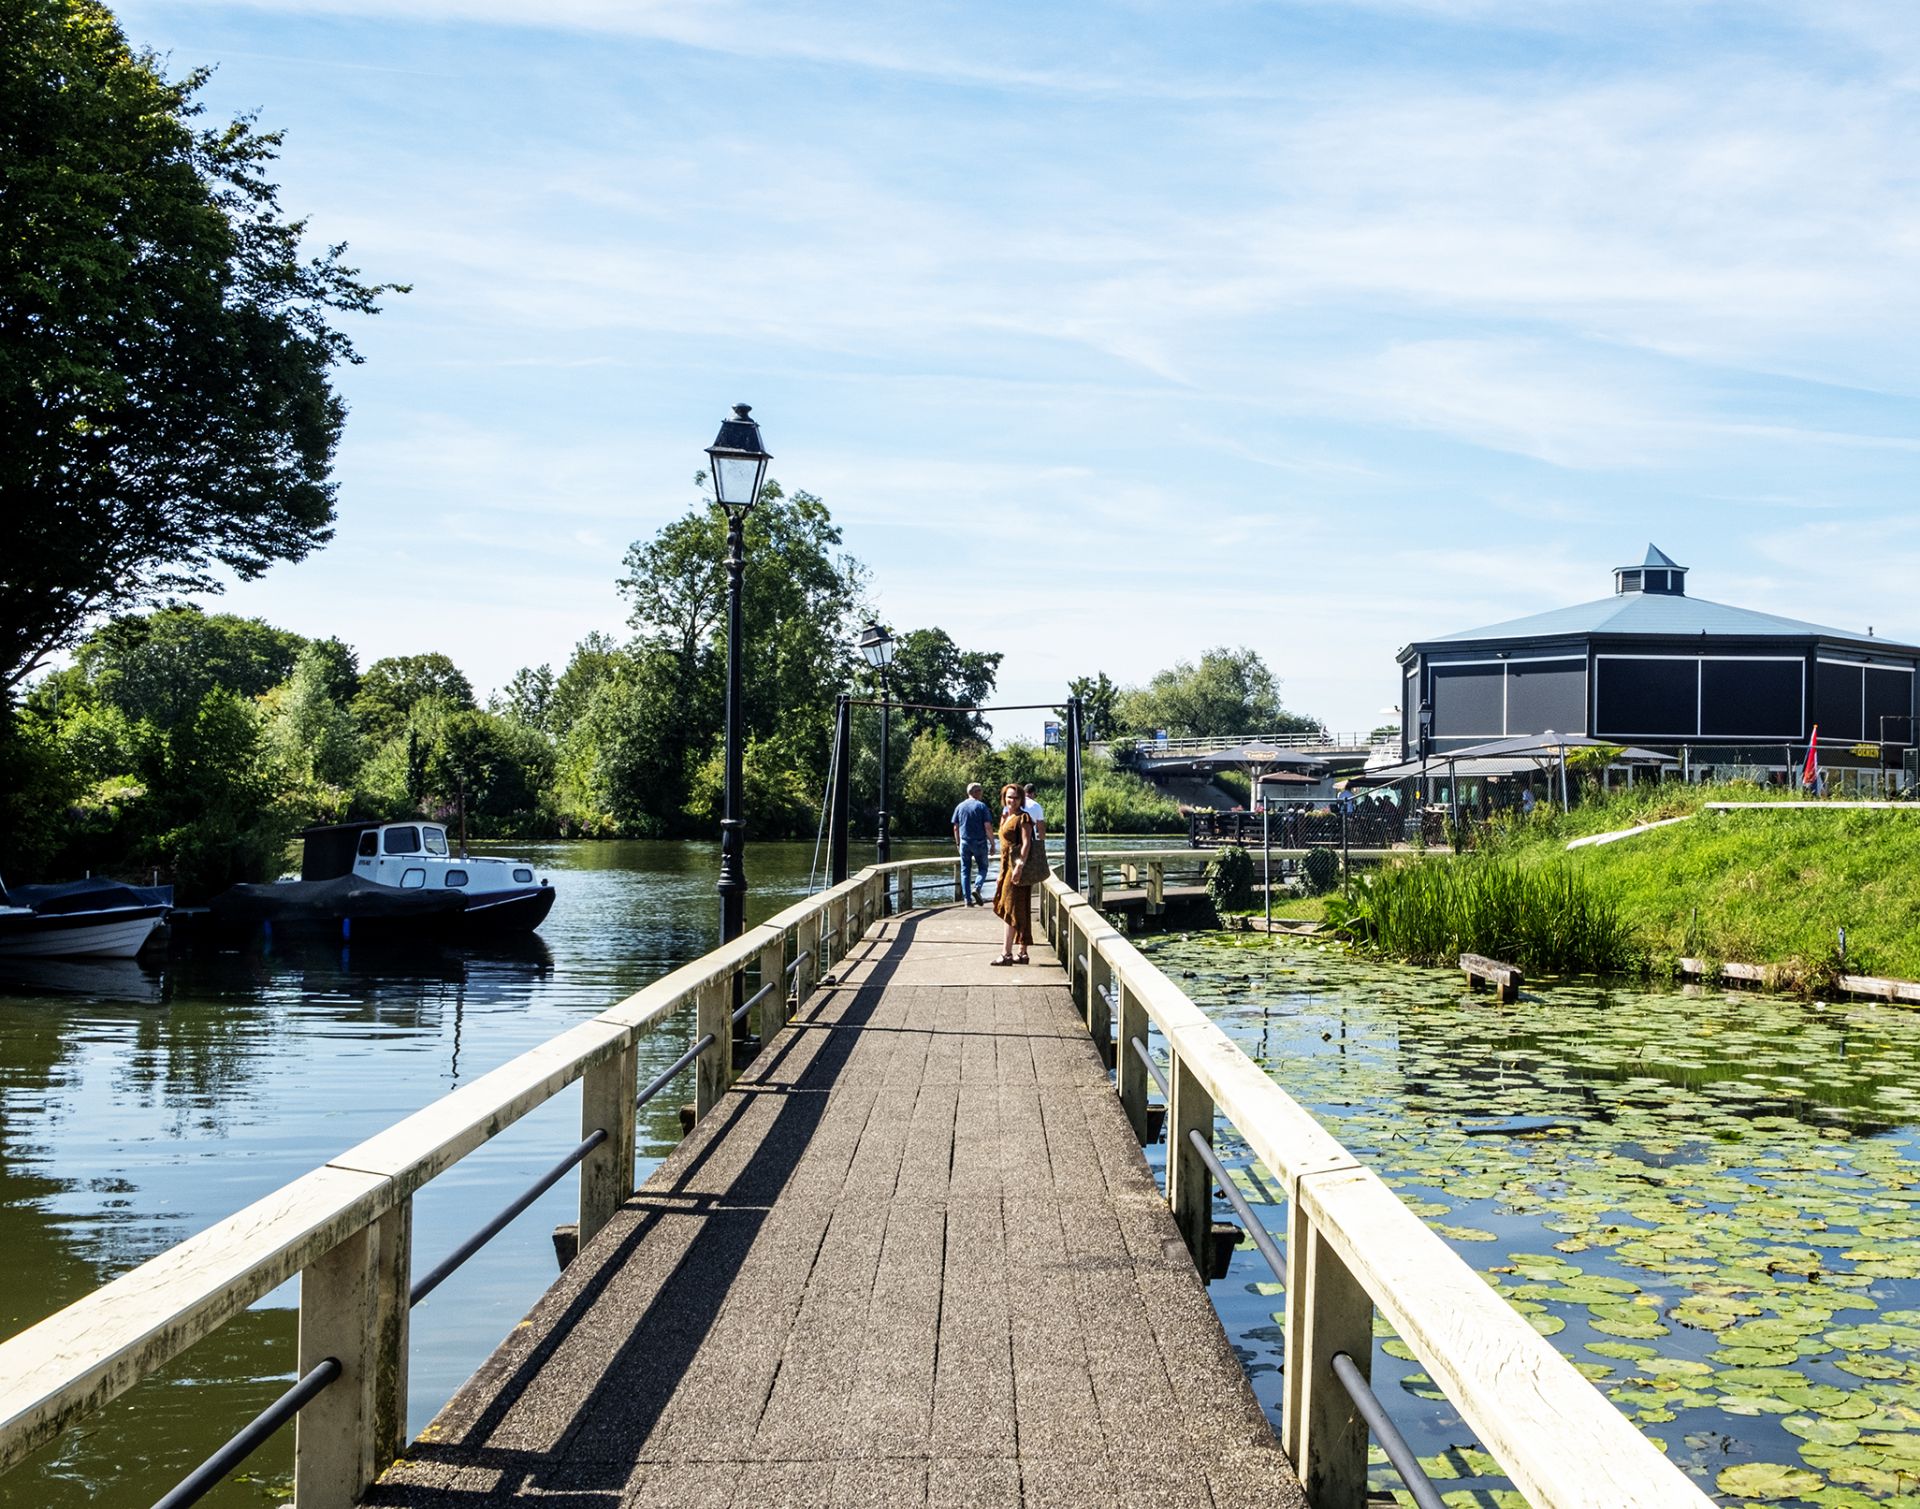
(456, 879)
(1468, 701)
(1547, 694)
(1839, 699)
(1646, 697)
(1758, 698)
(1889, 706)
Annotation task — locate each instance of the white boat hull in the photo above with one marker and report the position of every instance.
(107, 938)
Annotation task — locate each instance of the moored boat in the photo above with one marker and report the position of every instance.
(393, 880)
(99, 919)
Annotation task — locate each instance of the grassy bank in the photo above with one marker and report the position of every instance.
(1764, 887)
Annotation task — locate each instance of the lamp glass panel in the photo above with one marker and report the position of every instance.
(735, 479)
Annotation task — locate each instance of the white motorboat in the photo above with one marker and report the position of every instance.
(98, 919)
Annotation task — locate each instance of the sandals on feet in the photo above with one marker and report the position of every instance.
(1003, 959)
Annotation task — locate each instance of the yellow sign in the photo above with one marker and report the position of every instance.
(1867, 751)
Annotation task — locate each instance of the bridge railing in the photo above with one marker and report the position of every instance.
(1319, 739)
(1353, 1247)
(346, 1228)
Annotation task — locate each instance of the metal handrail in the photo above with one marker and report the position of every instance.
(673, 1070)
(197, 1484)
(1152, 1068)
(450, 1264)
(1425, 1495)
(753, 1000)
(1405, 1461)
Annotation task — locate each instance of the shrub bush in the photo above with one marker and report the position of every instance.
(1321, 869)
(1230, 880)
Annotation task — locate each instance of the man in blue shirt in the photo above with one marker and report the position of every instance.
(973, 831)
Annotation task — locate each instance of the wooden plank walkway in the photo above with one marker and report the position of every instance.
(913, 1257)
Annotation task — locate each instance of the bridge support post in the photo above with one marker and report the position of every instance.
(607, 1091)
(1129, 1073)
(1327, 1312)
(713, 1069)
(837, 799)
(1189, 1181)
(771, 1014)
(1096, 882)
(1099, 1010)
(1156, 887)
(353, 1306)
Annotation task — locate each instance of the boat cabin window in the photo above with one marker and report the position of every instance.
(523, 876)
(436, 839)
(402, 840)
(456, 878)
(370, 842)
(412, 880)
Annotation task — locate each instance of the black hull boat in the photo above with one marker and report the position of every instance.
(391, 882)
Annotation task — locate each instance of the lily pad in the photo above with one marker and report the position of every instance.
(1766, 1480)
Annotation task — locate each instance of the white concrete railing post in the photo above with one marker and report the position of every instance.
(959, 881)
(1130, 1074)
(1328, 1311)
(1189, 1180)
(607, 1093)
(1156, 888)
(1096, 881)
(713, 1069)
(771, 1014)
(1099, 1008)
(353, 1307)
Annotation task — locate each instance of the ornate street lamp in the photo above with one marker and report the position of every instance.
(877, 645)
(739, 466)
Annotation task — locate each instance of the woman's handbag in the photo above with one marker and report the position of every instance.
(1034, 868)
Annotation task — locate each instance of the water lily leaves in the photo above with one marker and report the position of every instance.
(1824, 1432)
(1722, 1158)
(1766, 1480)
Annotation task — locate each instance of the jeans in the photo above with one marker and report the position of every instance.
(971, 855)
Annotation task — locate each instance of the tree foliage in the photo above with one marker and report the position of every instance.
(1228, 692)
(165, 344)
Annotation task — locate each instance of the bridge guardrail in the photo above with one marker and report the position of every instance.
(1352, 1246)
(346, 1227)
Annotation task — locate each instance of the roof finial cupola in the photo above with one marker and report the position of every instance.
(1659, 572)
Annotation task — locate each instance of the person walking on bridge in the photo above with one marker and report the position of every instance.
(1013, 899)
(973, 832)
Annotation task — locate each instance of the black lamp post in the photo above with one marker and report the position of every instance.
(1426, 753)
(877, 645)
(739, 466)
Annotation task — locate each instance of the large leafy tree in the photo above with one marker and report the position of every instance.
(930, 669)
(1226, 693)
(161, 665)
(391, 688)
(166, 414)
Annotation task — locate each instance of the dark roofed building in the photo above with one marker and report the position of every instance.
(1717, 685)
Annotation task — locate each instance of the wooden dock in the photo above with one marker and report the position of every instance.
(913, 1256)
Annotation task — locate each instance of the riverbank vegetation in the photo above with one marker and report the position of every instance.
(1759, 887)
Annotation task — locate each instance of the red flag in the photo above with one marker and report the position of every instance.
(1810, 772)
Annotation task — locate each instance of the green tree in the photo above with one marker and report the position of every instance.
(1229, 692)
(928, 667)
(161, 665)
(310, 740)
(1099, 698)
(391, 688)
(165, 344)
(497, 768)
(594, 659)
(211, 815)
(527, 699)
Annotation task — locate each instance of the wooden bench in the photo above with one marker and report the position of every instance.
(1480, 971)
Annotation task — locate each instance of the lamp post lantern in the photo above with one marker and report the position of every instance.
(877, 645)
(739, 466)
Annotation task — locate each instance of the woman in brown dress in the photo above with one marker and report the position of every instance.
(1013, 902)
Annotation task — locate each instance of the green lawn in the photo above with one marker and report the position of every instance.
(1764, 887)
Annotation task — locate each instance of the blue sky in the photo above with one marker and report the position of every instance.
(1110, 332)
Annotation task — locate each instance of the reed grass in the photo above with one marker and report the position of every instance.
(1546, 918)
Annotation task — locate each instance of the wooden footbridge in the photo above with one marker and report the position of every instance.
(912, 1254)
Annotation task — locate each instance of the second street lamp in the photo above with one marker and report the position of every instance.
(877, 645)
(739, 467)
